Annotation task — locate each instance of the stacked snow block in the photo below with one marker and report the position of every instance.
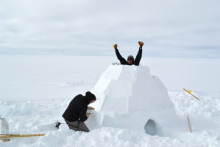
(128, 97)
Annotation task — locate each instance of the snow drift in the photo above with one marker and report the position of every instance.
(129, 97)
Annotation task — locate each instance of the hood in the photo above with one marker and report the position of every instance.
(89, 97)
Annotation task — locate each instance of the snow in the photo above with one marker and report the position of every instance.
(35, 91)
(129, 93)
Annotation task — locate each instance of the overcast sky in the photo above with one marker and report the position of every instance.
(168, 28)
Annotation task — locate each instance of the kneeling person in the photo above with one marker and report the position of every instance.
(75, 114)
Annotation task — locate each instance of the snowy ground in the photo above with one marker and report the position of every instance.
(35, 91)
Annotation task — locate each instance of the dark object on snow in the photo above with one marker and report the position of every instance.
(57, 125)
(75, 114)
(78, 107)
(150, 127)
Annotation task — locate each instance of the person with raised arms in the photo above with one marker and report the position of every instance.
(130, 60)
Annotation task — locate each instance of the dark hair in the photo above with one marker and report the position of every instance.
(130, 57)
(90, 96)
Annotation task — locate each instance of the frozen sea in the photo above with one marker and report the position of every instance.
(35, 91)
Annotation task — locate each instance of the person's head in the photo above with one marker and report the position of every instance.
(130, 59)
(91, 98)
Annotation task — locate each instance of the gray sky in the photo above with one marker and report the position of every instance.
(169, 28)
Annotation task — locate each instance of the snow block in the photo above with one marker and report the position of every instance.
(128, 97)
(4, 126)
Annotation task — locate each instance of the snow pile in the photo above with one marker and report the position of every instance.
(4, 126)
(128, 97)
(35, 91)
(41, 119)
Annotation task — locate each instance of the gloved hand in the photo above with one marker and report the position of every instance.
(140, 44)
(115, 46)
(90, 108)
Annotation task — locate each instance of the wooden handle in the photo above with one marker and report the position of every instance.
(189, 124)
(18, 135)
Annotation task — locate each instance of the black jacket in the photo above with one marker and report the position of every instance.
(77, 108)
(125, 62)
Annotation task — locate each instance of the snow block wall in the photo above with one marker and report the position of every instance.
(128, 96)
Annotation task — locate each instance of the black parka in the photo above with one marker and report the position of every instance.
(78, 107)
(125, 62)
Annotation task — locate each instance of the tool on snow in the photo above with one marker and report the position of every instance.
(190, 92)
(189, 124)
(4, 136)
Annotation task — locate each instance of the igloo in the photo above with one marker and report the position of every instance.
(129, 97)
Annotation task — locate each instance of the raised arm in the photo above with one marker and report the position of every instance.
(139, 54)
(120, 58)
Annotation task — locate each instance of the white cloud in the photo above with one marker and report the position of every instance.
(166, 27)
